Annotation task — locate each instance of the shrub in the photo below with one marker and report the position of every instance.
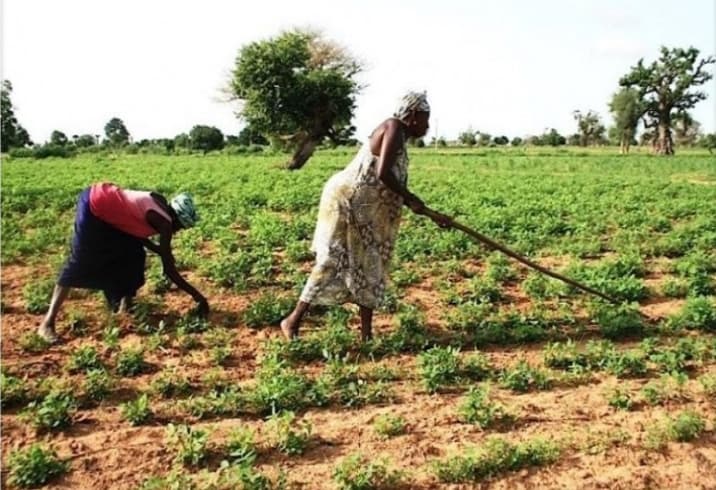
(34, 466)
(289, 436)
(478, 409)
(138, 411)
(241, 447)
(358, 473)
(387, 426)
(84, 359)
(698, 313)
(54, 412)
(494, 458)
(188, 444)
(523, 378)
(439, 367)
(130, 362)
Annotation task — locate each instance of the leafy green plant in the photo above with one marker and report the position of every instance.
(86, 359)
(627, 365)
(356, 472)
(523, 378)
(288, 435)
(110, 336)
(478, 409)
(13, 390)
(620, 399)
(170, 384)
(686, 426)
(97, 385)
(53, 412)
(666, 388)
(34, 343)
(130, 362)
(37, 296)
(439, 367)
(189, 445)
(619, 322)
(241, 447)
(708, 382)
(278, 388)
(137, 411)
(495, 457)
(698, 313)
(268, 309)
(675, 288)
(34, 466)
(387, 426)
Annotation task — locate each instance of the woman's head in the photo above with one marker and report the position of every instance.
(414, 111)
(183, 206)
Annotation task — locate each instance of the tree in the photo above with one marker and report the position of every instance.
(708, 141)
(296, 87)
(58, 138)
(84, 141)
(627, 109)
(501, 140)
(665, 88)
(206, 138)
(12, 134)
(484, 138)
(249, 136)
(342, 136)
(553, 138)
(589, 127)
(516, 141)
(182, 140)
(686, 129)
(116, 132)
(467, 138)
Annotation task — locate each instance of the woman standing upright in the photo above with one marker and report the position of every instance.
(359, 216)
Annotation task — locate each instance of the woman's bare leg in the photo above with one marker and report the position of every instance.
(291, 324)
(366, 323)
(47, 327)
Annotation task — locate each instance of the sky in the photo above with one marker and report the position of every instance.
(513, 67)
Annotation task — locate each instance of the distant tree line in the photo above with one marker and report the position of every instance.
(298, 92)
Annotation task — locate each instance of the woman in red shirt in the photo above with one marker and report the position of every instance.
(112, 228)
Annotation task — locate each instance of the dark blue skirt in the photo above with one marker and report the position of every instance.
(103, 257)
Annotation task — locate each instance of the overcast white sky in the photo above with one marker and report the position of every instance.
(504, 67)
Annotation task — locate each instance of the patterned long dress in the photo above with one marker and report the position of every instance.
(358, 220)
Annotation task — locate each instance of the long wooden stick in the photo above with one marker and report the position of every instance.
(493, 244)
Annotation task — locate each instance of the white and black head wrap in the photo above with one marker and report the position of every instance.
(412, 102)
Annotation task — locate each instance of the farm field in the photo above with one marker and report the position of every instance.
(482, 374)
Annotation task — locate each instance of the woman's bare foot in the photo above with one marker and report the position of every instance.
(47, 332)
(288, 328)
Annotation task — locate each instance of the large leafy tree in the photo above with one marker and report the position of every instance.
(666, 87)
(686, 129)
(116, 132)
(627, 109)
(13, 134)
(590, 128)
(206, 138)
(58, 138)
(297, 88)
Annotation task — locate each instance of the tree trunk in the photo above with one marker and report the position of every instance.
(303, 152)
(665, 145)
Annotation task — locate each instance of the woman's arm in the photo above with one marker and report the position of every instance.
(164, 228)
(391, 143)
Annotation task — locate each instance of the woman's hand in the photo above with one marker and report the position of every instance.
(202, 307)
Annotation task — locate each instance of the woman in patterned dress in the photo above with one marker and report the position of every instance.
(359, 216)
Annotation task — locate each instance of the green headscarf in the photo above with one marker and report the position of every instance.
(183, 205)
